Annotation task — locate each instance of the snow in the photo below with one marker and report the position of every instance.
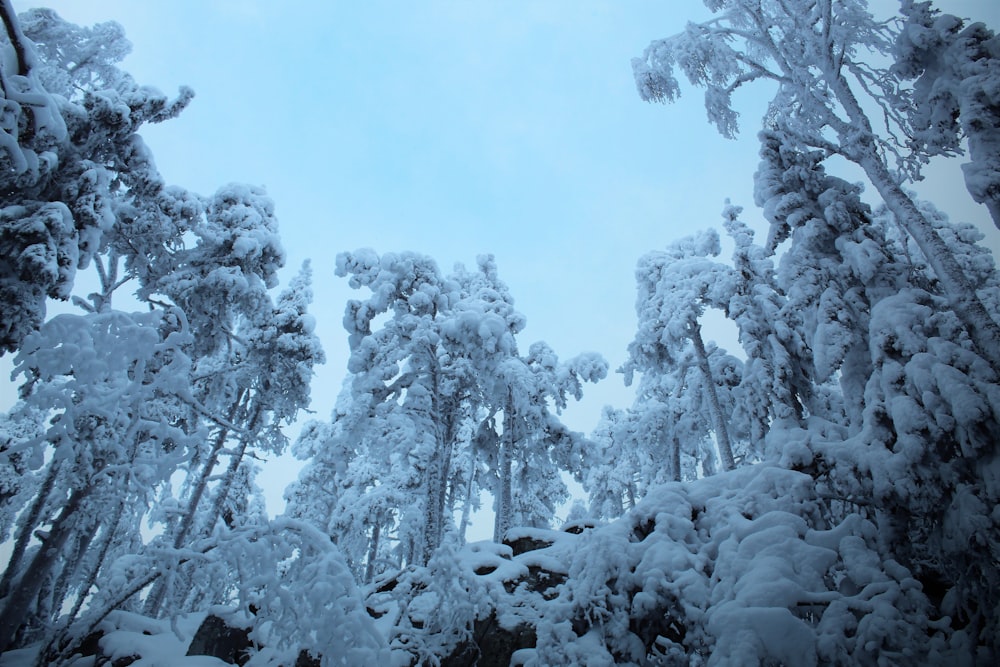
(491, 561)
(154, 643)
(741, 561)
(157, 643)
(859, 527)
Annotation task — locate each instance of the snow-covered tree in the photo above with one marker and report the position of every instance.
(904, 324)
(116, 403)
(812, 51)
(114, 386)
(437, 395)
(402, 382)
(76, 165)
(226, 275)
(262, 376)
(675, 286)
(776, 386)
(932, 420)
(532, 444)
(955, 67)
(613, 465)
(835, 268)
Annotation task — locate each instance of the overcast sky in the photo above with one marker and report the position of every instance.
(457, 128)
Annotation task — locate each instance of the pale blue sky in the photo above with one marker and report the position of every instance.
(456, 128)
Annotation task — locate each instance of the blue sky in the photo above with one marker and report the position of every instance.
(457, 128)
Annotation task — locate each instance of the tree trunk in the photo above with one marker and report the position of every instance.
(721, 429)
(373, 545)
(182, 589)
(15, 36)
(187, 522)
(438, 491)
(675, 459)
(226, 486)
(28, 527)
(982, 329)
(18, 602)
(155, 599)
(109, 537)
(501, 522)
(52, 655)
(467, 505)
(504, 499)
(50, 605)
(862, 149)
(444, 414)
(430, 535)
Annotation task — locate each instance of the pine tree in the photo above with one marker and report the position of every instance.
(438, 394)
(70, 134)
(613, 465)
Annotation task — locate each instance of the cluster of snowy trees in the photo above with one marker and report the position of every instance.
(129, 461)
(870, 337)
(870, 367)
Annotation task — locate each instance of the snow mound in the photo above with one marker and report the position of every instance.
(754, 566)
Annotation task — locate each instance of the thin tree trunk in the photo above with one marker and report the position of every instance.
(15, 36)
(40, 611)
(439, 466)
(443, 475)
(675, 459)
(432, 523)
(504, 499)
(155, 600)
(438, 490)
(467, 506)
(721, 429)
(373, 546)
(48, 655)
(19, 43)
(185, 585)
(501, 522)
(187, 523)
(50, 604)
(88, 583)
(226, 486)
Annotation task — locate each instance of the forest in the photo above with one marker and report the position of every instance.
(827, 494)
